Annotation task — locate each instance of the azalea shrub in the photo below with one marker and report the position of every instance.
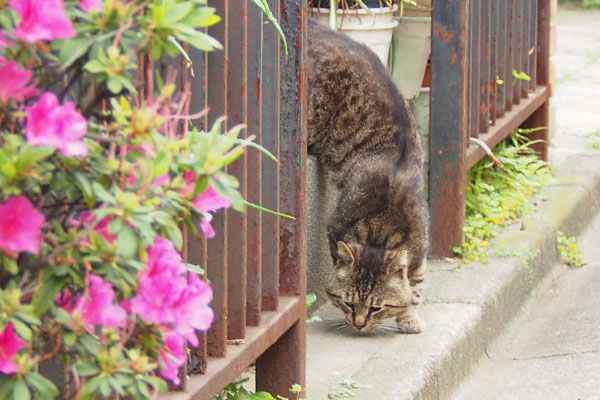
(102, 172)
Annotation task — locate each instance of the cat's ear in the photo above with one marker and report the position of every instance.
(344, 254)
(396, 261)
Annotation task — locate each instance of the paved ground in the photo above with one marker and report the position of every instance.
(552, 350)
(577, 87)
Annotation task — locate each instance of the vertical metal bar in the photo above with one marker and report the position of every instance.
(533, 43)
(517, 51)
(525, 35)
(541, 117)
(501, 65)
(484, 66)
(510, 44)
(290, 349)
(283, 365)
(254, 192)
(196, 245)
(448, 121)
(236, 221)
(543, 43)
(293, 147)
(270, 171)
(217, 246)
(493, 59)
(473, 64)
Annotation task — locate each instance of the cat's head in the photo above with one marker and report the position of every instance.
(369, 284)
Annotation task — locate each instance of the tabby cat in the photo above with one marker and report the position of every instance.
(360, 128)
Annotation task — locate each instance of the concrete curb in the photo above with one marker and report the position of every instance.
(465, 309)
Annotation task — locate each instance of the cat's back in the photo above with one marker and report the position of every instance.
(354, 106)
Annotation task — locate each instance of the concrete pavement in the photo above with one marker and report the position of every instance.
(552, 350)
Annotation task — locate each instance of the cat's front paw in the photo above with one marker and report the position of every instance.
(409, 325)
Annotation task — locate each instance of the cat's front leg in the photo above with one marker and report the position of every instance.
(408, 321)
(415, 278)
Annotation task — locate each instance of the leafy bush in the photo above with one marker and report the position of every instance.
(496, 196)
(100, 171)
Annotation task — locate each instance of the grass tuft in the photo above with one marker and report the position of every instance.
(497, 196)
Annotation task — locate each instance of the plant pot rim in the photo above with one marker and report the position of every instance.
(413, 19)
(359, 11)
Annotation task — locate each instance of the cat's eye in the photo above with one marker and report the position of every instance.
(375, 309)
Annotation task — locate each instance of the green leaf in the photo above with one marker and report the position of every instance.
(21, 391)
(103, 194)
(29, 156)
(310, 299)
(175, 235)
(27, 318)
(114, 85)
(72, 49)
(22, 329)
(196, 269)
(521, 75)
(69, 338)
(105, 388)
(88, 368)
(256, 146)
(10, 265)
(177, 13)
(160, 164)
(44, 297)
(279, 214)
(42, 385)
(86, 188)
(62, 316)
(95, 67)
(127, 242)
(91, 345)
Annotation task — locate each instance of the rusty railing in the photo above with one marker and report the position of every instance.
(476, 45)
(256, 263)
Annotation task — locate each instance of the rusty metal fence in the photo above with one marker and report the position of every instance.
(256, 263)
(481, 51)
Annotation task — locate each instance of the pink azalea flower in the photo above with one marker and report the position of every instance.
(193, 309)
(91, 5)
(173, 356)
(42, 20)
(209, 200)
(165, 296)
(157, 298)
(10, 345)
(163, 258)
(97, 308)
(20, 226)
(64, 299)
(62, 127)
(13, 82)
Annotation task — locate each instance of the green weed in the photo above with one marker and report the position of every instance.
(310, 299)
(497, 196)
(568, 250)
(593, 141)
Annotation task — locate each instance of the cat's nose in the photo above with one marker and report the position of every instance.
(360, 322)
